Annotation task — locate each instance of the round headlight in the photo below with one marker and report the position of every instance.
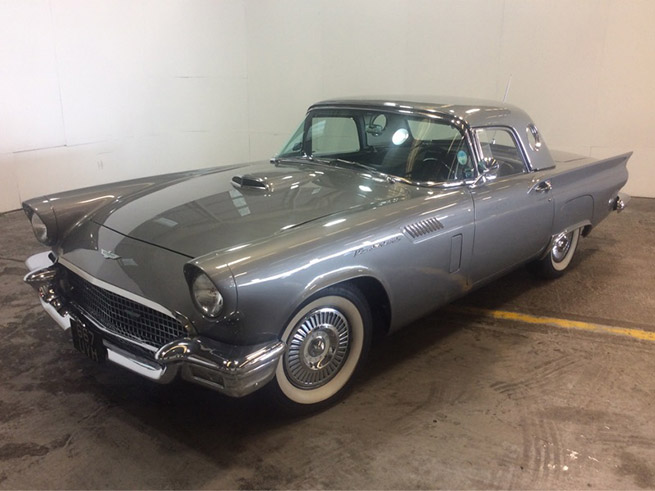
(206, 296)
(39, 228)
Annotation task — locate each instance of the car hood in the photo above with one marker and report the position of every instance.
(206, 211)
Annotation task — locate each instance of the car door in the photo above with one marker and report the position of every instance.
(513, 212)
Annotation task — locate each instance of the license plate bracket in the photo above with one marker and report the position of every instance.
(88, 341)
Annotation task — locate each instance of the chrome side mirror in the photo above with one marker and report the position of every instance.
(488, 169)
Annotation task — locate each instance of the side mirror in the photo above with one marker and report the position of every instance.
(488, 168)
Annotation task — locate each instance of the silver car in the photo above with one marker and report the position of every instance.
(276, 274)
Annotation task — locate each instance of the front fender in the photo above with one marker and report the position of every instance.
(265, 309)
(340, 275)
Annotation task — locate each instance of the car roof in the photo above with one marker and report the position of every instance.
(475, 112)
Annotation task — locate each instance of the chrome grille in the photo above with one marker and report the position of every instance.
(424, 227)
(122, 316)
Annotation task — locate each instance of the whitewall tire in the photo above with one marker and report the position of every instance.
(559, 255)
(327, 340)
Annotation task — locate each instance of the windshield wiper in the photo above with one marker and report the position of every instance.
(299, 158)
(356, 164)
(303, 159)
(388, 177)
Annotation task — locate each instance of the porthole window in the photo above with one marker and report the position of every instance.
(534, 138)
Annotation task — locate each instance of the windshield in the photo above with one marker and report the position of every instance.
(408, 146)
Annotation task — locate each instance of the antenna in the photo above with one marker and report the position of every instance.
(509, 83)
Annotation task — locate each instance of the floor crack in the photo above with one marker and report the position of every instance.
(3, 258)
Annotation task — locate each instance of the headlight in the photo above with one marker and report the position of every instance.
(206, 296)
(39, 228)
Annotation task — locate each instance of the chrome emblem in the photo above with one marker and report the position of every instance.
(131, 313)
(109, 254)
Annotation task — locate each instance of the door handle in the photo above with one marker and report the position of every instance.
(543, 186)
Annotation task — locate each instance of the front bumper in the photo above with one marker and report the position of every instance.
(232, 370)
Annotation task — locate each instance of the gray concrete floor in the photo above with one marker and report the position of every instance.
(453, 401)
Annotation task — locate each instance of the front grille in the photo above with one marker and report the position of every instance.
(122, 316)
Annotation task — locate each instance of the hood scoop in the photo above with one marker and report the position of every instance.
(248, 181)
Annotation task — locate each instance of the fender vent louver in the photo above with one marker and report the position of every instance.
(422, 228)
(249, 182)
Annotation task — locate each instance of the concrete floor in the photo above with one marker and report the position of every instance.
(453, 401)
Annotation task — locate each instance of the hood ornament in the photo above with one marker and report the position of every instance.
(109, 254)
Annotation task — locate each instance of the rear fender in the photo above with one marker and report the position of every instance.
(582, 192)
(573, 214)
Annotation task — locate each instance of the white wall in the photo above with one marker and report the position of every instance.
(96, 91)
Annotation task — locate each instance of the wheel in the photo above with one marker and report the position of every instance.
(559, 256)
(327, 340)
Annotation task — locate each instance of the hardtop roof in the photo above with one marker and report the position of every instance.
(475, 112)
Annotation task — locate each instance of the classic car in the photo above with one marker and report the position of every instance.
(276, 274)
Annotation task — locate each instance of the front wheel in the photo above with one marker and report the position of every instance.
(559, 256)
(327, 341)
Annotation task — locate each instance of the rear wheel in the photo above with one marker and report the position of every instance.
(559, 256)
(327, 341)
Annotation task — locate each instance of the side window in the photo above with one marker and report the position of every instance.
(499, 144)
(333, 135)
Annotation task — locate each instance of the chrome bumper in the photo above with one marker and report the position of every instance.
(232, 370)
(619, 203)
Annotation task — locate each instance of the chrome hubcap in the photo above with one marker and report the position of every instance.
(318, 348)
(561, 246)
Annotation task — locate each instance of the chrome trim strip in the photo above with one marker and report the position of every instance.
(114, 289)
